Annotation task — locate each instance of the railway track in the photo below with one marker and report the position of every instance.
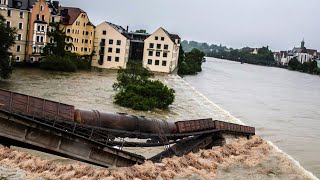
(60, 129)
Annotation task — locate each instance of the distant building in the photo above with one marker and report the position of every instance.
(161, 51)
(302, 54)
(112, 46)
(76, 24)
(250, 50)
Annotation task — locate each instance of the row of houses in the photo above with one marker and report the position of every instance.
(302, 54)
(111, 45)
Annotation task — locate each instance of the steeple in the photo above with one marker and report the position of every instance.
(302, 44)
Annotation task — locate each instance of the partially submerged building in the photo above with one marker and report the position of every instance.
(161, 51)
(112, 46)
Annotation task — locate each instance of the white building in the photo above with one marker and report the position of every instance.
(111, 45)
(161, 51)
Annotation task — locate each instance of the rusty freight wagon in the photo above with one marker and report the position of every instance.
(35, 107)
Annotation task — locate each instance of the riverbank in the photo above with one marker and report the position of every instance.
(90, 90)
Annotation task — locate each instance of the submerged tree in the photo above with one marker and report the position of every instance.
(137, 91)
(7, 40)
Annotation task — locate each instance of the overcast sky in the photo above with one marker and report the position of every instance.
(281, 24)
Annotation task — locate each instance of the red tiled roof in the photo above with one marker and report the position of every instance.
(70, 14)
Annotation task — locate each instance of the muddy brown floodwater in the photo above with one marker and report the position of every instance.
(93, 90)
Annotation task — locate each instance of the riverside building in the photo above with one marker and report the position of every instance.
(111, 45)
(76, 24)
(161, 51)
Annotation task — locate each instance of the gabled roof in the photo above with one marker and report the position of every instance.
(118, 28)
(312, 51)
(70, 14)
(173, 37)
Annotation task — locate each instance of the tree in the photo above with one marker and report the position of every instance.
(190, 63)
(294, 64)
(136, 91)
(7, 40)
(57, 47)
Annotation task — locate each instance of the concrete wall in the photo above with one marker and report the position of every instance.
(105, 59)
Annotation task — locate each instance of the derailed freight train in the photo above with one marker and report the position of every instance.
(41, 108)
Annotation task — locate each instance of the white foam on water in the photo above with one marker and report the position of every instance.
(236, 120)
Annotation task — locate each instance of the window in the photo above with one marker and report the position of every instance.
(43, 18)
(118, 50)
(166, 46)
(85, 49)
(158, 46)
(101, 59)
(110, 41)
(41, 38)
(157, 62)
(38, 17)
(18, 58)
(162, 38)
(150, 53)
(165, 54)
(38, 39)
(109, 58)
(41, 8)
(21, 15)
(156, 38)
(110, 50)
(42, 28)
(104, 32)
(8, 23)
(34, 50)
(68, 30)
(20, 26)
(87, 33)
(86, 41)
(38, 28)
(18, 48)
(9, 13)
(118, 42)
(117, 59)
(151, 45)
(52, 19)
(164, 63)
(19, 37)
(158, 54)
(84, 24)
(150, 61)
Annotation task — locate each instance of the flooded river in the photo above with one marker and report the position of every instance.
(280, 103)
(283, 105)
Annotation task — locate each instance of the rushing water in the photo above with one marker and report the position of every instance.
(283, 105)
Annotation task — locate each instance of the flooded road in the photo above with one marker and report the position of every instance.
(283, 105)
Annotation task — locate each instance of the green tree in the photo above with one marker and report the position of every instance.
(294, 64)
(57, 47)
(7, 40)
(191, 63)
(136, 91)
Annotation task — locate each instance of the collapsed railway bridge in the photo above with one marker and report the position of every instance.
(98, 138)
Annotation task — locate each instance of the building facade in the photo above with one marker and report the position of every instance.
(111, 45)
(17, 16)
(76, 24)
(161, 51)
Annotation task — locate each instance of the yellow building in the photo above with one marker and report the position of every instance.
(112, 46)
(161, 51)
(76, 24)
(17, 16)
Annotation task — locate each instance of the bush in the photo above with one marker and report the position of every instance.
(138, 92)
(58, 63)
(190, 63)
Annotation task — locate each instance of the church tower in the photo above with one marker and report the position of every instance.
(302, 44)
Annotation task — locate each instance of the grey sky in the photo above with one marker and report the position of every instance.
(281, 24)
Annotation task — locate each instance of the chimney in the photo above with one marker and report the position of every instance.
(127, 28)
